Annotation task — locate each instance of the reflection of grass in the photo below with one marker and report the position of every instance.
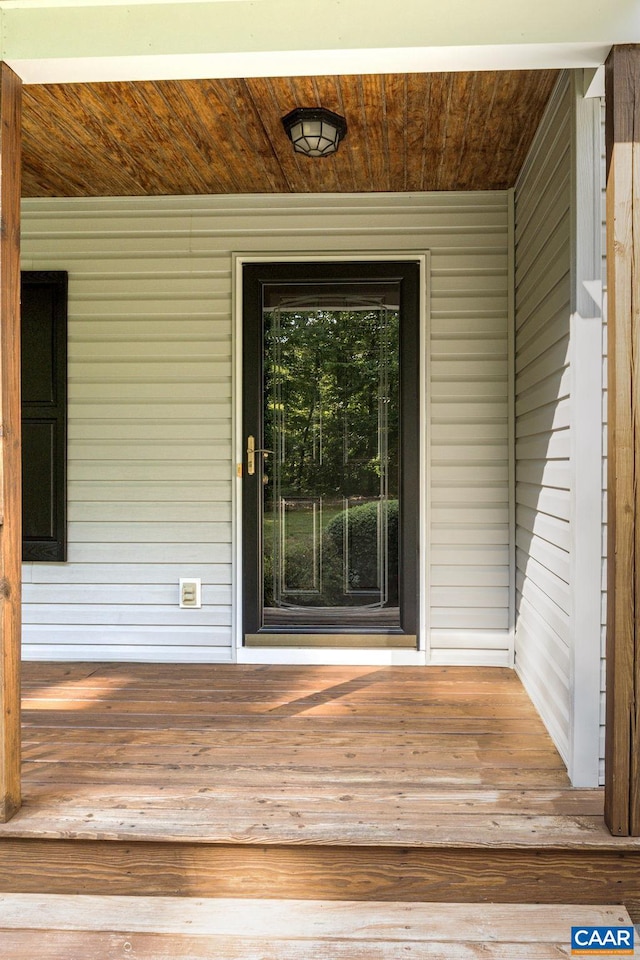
(299, 524)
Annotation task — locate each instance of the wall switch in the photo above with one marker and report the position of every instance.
(190, 592)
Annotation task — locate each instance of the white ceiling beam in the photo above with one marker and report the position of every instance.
(308, 63)
(77, 40)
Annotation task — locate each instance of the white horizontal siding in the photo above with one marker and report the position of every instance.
(543, 418)
(469, 490)
(558, 360)
(151, 410)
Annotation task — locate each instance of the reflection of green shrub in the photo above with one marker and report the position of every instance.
(363, 559)
(298, 574)
(267, 576)
(363, 547)
(299, 567)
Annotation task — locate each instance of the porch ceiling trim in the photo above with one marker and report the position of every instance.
(305, 63)
(68, 40)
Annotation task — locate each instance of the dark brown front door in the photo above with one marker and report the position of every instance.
(330, 488)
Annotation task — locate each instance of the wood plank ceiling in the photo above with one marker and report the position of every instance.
(407, 132)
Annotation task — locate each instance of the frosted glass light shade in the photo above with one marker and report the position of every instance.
(314, 131)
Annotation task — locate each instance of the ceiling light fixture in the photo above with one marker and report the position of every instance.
(314, 131)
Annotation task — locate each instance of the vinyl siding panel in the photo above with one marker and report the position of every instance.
(151, 411)
(543, 419)
(558, 358)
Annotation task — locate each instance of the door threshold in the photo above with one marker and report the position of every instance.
(333, 640)
(336, 656)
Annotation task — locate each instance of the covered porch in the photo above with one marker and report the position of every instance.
(436, 781)
(151, 167)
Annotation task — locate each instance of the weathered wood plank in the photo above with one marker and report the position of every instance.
(371, 702)
(103, 726)
(199, 723)
(289, 827)
(78, 945)
(81, 926)
(622, 793)
(453, 831)
(289, 732)
(377, 800)
(304, 777)
(396, 922)
(470, 876)
(453, 686)
(315, 704)
(151, 727)
(346, 755)
(49, 672)
(10, 449)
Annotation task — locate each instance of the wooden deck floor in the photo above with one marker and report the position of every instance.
(292, 755)
(323, 782)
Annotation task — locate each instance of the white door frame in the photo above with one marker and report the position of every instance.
(326, 655)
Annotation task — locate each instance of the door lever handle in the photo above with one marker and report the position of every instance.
(251, 455)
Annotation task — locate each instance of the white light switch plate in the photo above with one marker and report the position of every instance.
(190, 592)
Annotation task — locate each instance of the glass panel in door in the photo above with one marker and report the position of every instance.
(330, 481)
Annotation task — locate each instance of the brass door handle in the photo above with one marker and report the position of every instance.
(251, 455)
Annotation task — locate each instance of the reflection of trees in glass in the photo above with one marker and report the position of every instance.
(331, 418)
(329, 373)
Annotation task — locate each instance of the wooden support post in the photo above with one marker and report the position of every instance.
(10, 444)
(622, 790)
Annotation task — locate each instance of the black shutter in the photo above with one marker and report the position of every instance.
(44, 415)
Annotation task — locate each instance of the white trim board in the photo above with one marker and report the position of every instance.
(302, 63)
(54, 41)
(330, 657)
(586, 442)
